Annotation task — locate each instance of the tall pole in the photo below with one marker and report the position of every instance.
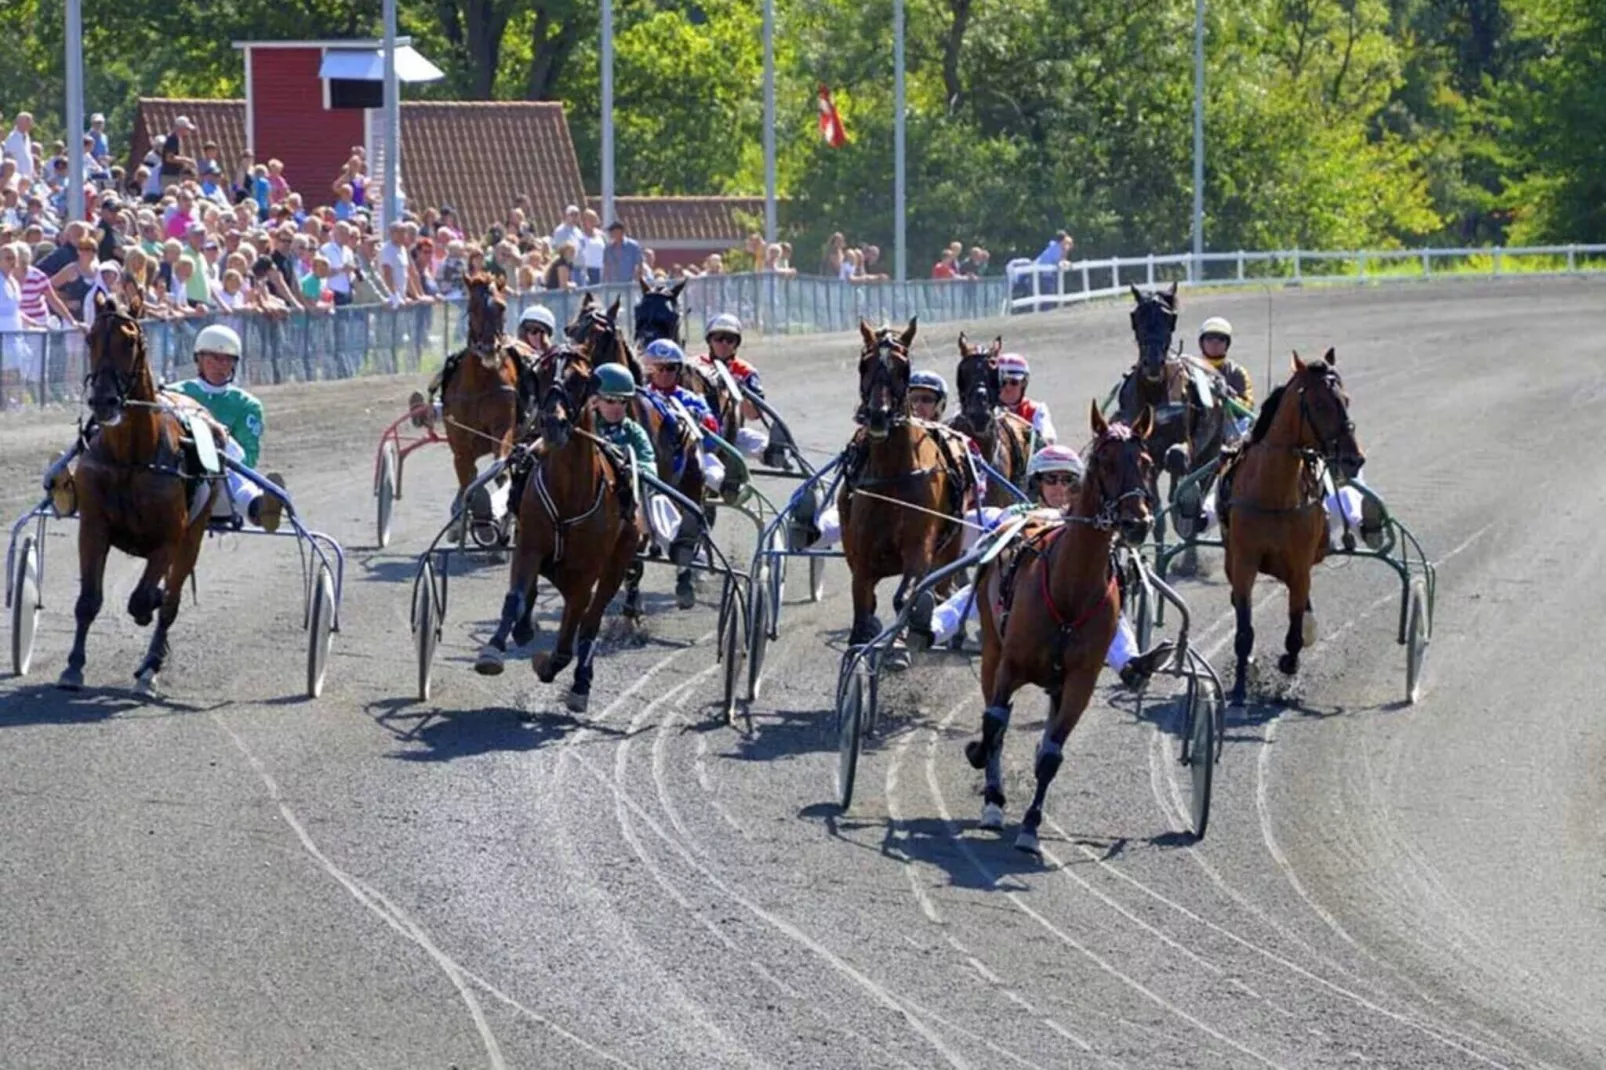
(1198, 140)
(769, 122)
(607, 113)
(75, 112)
(900, 254)
(392, 161)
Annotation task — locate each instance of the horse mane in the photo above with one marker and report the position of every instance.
(1268, 413)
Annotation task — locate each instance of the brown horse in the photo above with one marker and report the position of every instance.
(920, 465)
(481, 393)
(133, 489)
(674, 442)
(577, 527)
(1005, 440)
(1049, 610)
(1270, 502)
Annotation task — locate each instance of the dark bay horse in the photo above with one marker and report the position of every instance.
(920, 466)
(657, 314)
(1049, 611)
(1188, 423)
(133, 489)
(1005, 440)
(482, 400)
(577, 527)
(1270, 502)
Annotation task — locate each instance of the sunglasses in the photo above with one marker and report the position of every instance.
(731, 338)
(1055, 479)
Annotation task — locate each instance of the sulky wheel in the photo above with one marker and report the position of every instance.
(1204, 719)
(852, 695)
(758, 634)
(385, 492)
(1417, 635)
(732, 645)
(25, 606)
(320, 622)
(426, 625)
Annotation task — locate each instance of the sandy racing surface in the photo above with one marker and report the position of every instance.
(238, 876)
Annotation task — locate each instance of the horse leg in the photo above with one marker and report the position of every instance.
(520, 591)
(1243, 588)
(607, 586)
(987, 753)
(93, 546)
(864, 628)
(525, 630)
(181, 562)
(1301, 621)
(576, 601)
(147, 595)
(1068, 706)
(632, 581)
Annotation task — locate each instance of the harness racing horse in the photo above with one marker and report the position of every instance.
(135, 490)
(577, 527)
(488, 388)
(905, 485)
(1005, 440)
(1189, 420)
(1270, 502)
(675, 441)
(1049, 611)
(658, 312)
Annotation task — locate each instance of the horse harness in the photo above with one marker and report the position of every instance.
(1312, 469)
(954, 463)
(1040, 545)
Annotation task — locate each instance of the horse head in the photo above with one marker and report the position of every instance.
(658, 312)
(976, 381)
(118, 369)
(1153, 322)
(1115, 488)
(884, 378)
(596, 331)
(564, 401)
(1324, 414)
(487, 313)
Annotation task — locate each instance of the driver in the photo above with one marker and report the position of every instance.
(724, 338)
(663, 360)
(1215, 338)
(217, 357)
(1014, 375)
(1053, 480)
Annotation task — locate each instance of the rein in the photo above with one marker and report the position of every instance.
(857, 493)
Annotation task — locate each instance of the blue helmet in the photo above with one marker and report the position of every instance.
(928, 380)
(663, 351)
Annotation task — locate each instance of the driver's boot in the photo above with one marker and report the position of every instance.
(266, 510)
(63, 488)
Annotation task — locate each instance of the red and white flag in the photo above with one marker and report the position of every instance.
(830, 122)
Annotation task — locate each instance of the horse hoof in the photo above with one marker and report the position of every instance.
(1026, 842)
(489, 662)
(685, 594)
(544, 672)
(992, 816)
(1288, 664)
(145, 684)
(577, 702)
(976, 754)
(71, 680)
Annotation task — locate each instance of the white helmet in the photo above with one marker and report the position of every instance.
(1054, 459)
(217, 338)
(540, 316)
(724, 323)
(1216, 325)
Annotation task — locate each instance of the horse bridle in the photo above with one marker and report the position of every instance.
(489, 309)
(1327, 446)
(123, 382)
(990, 386)
(886, 351)
(1108, 516)
(648, 328)
(1151, 341)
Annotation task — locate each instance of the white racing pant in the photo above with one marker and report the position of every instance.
(945, 622)
(242, 492)
(713, 469)
(1343, 504)
(751, 441)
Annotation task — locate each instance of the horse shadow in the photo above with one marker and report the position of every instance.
(47, 704)
(440, 735)
(389, 567)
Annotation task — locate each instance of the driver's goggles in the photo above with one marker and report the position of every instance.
(721, 337)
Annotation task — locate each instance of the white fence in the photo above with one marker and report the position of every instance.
(1038, 287)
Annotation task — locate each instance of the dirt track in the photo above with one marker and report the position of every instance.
(239, 877)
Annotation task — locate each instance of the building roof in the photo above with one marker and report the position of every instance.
(222, 121)
(481, 156)
(712, 223)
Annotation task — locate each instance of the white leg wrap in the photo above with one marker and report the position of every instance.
(946, 618)
(1124, 647)
(751, 441)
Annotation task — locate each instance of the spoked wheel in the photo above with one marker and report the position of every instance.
(731, 644)
(385, 492)
(816, 578)
(1203, 721)
(1417, 634)
(25, 606)
(853, 693)
(319, 624)
(426, 625)
(758, 629)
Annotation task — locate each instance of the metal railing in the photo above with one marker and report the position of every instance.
(1038, 287)
(48, 367)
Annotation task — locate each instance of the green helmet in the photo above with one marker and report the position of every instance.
(615, 381)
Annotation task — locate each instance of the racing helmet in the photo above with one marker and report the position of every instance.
(930, 380)
(1013, 367)
(217, 338)
(1053, 459)
(1216, 325)
(539, 316)
(615, 381)
(724, 323)
(663, 351)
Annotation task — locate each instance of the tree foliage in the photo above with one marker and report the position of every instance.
(1328, 122)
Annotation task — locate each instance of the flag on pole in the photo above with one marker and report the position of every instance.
(830, 122)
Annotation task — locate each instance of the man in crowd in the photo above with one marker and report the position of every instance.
(19, 146)
(621, 260)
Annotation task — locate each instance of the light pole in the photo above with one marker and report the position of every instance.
(392, 161)
(75, 112)
(900, 256)
(769, 122)
(1198, 140)
(607, 113)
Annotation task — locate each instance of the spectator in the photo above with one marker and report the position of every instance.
(39, 297)
(519, 224)
(714, 264)
(595, 243)
(772, 261)
(975, 265)
(66, 251)
(74, 281)
(785, 262)
(569, 230)
(622, 261)
(97, 137)
(198, 281)
(831, 256)
(110, 244)
(1057, 253)
(393, 263)
(278, 187)
(448, 222)
(345, 207)
(208, 159)
(179, 219)
(261, 190)
(945, 268)
(212, 185)
(19, 147)
(560, 272)
(173, 162)
(423, 251)
(368, 288)
(870, 256)
(851, 267)
(342, 264)
(453, 270)
(231, 295)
